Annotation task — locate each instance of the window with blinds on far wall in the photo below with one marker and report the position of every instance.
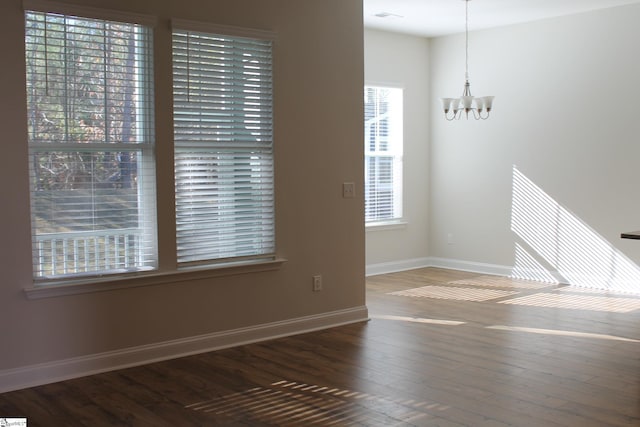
(383, 154)
(223, 130)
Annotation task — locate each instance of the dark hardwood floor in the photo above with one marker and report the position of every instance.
(443, 348)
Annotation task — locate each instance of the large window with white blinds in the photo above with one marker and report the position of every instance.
(223, 132)
(91, 145)
(383, 148)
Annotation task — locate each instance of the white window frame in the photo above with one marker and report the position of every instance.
(223, 144)
(79, 248)
(387, 214)
(167, 269)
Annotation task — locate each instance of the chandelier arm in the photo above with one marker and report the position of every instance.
(453, 117)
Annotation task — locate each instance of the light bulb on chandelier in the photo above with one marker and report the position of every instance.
(479, 107)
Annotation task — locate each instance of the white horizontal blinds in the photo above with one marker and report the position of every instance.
(383, 154)
(90, 137)
(223, 147)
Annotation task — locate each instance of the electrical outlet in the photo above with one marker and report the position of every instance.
(348, 190)
(317, 283)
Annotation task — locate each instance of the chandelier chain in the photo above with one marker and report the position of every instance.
(466, 40)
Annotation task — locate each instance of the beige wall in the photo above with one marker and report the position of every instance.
(318, 84)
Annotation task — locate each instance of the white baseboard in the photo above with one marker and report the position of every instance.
(59, 370)
(498, 270)
(470, 266)
(451, 264)
(394, 266)
(473, 267)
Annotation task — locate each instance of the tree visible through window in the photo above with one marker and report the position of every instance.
(383, 154)
(90, 144)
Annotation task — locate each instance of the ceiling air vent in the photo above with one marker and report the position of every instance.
(387, 15)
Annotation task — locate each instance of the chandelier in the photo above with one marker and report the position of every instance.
(479, 107)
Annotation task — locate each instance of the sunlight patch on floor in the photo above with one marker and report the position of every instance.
(592, 291)
(418, 320)
(289, 403)
(577, 302)
(560, 333)
(454, 293)
(502, 282)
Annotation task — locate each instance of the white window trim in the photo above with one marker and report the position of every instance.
(260, 41)
(227, 30)
(89, 12)
(401, 222)
(97, 283)
(396, 224)
(114, 282)
(121, 255)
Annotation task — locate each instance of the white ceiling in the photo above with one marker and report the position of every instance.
(432, 18)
